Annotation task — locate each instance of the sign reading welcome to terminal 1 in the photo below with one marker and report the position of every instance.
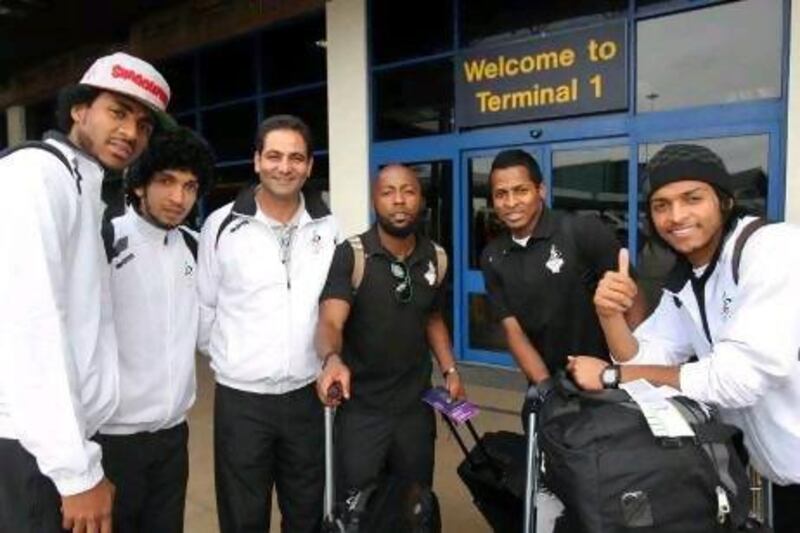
(571, 73)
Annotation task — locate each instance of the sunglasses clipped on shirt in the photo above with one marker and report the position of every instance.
(403, 290)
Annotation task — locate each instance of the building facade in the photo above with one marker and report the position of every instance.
(591, 89)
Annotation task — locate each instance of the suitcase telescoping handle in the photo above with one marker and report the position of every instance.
(334, 393)
(531, 466)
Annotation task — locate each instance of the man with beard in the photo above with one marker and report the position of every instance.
(262, 264)
(540, 276)
(156, 315)
(375, 340)
(58, 351)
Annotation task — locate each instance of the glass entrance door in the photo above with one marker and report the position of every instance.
(482, 338)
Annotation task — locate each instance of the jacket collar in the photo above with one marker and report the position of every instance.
(246, 205)
(146, 228)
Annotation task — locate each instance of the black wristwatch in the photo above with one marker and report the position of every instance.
(610, 377)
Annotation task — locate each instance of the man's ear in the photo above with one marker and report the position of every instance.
(727, 204)
(78, 111)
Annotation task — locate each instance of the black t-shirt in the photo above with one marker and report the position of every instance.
(548, 285)
(385, 342)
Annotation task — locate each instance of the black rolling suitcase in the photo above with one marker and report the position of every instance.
(386, 506)
(501, 472)
(493, 471)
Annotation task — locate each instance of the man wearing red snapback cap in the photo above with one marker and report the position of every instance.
(58, 351)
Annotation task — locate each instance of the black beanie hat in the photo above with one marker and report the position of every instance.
(679, 162)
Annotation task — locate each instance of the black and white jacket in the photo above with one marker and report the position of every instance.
(156, 313)
(746, 337)
(258, 317)
(58, 351)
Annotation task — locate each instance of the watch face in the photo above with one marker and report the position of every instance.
(609, 377)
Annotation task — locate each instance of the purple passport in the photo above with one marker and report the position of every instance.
(456, 410)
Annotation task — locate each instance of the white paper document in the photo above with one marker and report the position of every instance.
(663, 418)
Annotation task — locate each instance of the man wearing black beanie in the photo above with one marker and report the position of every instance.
(731, 302)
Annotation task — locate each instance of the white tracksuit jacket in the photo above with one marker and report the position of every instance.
(257, 321)
(58, 351)
(750, 367)
(153, 287)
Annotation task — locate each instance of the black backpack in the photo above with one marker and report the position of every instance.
(392, 504)
(613, 475)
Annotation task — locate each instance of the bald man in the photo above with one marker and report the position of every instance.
(375, 339)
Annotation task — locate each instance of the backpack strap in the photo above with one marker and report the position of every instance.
(359, 261)
(441, 263)
(741, 240)
(190, 240)
(50, 149)
(107, 232)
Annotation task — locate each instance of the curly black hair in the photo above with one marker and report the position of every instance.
(69, 97)
(178, 149)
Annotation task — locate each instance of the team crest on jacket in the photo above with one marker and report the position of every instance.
(726, 306)
(316, 243)
(555, 261)
(430, 274)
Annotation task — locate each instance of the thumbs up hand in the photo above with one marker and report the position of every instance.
(624, 262)
(616, 291)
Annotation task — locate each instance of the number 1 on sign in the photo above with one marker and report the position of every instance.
(597, 83)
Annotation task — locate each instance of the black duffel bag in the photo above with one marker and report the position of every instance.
(613, 475)
(386, 506)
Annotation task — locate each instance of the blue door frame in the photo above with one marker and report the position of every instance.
(755, 118)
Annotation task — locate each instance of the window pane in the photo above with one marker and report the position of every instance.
(39, 118)
(674, 4)
(310, 105)
(437, 185)
(230, 130)
(594, 181)
(179, 73)
(228, 71)
(485, 333)
(745, 157)
(410, 28)
(414, 101)
(294, 53)
(318, 183)
(187, 119)
(229, 181)
(488, 21)
(723, 54)
(3, 130)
